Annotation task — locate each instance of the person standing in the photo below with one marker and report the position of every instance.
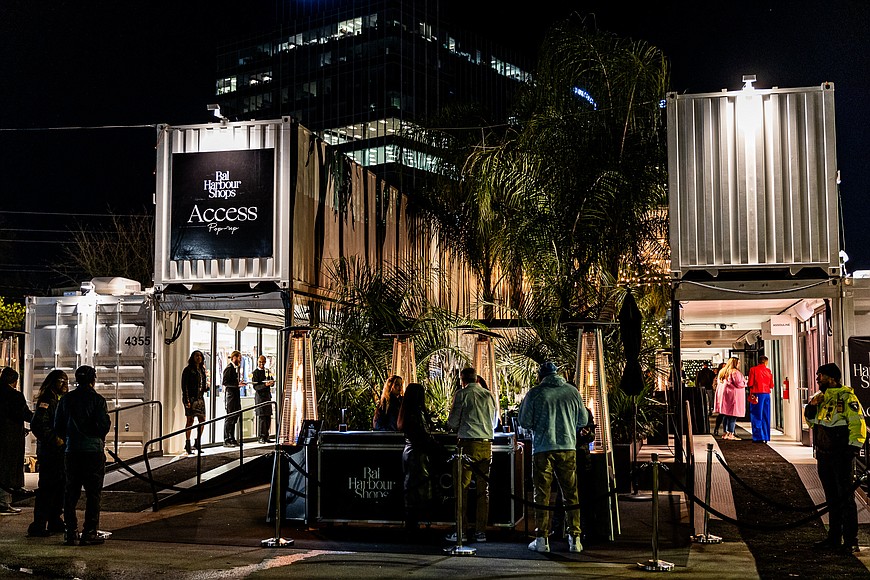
(717, 398)
(554, 412)
(473, 417)
(194, 385)
(48, 509)
(232, 382)
(82, 420)
(262, 380)
(732, 400)
(387, 410)
(14, 412)
(421, 450)
(704, 380)
(760, 384)
(839, 433)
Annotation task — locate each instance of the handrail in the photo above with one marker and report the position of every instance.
(117, 412)
(241, 440)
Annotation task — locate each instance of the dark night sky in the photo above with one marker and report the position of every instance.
(145, 62)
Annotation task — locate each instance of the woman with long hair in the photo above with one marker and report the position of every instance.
(732, 402)
(14, 412)
(387, 411)
(717, 399)
(420, 451)
(194, 385)
(48, 509)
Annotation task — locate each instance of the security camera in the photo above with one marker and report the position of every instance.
(723, 326)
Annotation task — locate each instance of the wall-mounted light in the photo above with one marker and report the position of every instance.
(216, 111)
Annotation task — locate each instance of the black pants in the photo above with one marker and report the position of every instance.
(49, 495)
(232, 402)
(264, 425)
(835, 472)
(84, 469)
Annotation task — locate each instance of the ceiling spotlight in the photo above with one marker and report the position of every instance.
(723, 326)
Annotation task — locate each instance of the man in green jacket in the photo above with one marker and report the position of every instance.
(473, 416)
(554, 412)
(839, 433)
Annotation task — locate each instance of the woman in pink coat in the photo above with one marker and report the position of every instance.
(731, 396)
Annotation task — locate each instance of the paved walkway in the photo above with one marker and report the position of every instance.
(220, 538)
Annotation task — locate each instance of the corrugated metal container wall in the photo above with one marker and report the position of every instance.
(115, 335)
(278, 135)
(328, 205)
(753, 181)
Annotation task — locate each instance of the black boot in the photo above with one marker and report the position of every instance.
(187, 448)
(37, 530)
(70, 537)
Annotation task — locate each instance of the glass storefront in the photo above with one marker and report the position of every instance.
(217, 341)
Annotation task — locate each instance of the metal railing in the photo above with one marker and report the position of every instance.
(240, 439)
(117, 421)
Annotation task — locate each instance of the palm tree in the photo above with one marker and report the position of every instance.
(466, 202)
(352, 346)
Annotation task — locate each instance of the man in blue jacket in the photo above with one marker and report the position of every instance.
(554, 411)
(82, 420)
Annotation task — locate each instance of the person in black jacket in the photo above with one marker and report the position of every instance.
(420, 453)
(82, 420)
(48, 509)
(14, 412)
(194, 385)
(262, 381)
(232, 382)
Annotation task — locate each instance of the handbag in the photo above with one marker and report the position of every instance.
(753, 399)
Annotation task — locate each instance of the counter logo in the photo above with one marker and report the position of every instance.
(222, 204)
(369, 484)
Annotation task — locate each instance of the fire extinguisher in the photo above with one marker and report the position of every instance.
(785, 388)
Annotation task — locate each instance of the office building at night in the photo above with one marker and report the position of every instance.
(358, 73)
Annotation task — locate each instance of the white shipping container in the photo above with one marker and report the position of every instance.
(753, 181)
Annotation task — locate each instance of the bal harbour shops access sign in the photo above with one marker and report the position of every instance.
(222, 205)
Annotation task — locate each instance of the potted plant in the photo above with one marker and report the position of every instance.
(633, 418)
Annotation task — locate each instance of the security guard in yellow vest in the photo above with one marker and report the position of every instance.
(839, 433)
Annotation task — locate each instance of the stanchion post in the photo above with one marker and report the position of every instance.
(459, 549)
(704, 537)
(277, 541)
(655, 565)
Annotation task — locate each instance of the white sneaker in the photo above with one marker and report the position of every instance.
(539, 545)
(574, 544)
(452, 537)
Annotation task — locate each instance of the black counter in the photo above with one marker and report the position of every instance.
(360, 479)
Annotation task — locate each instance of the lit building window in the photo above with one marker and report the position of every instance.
(226, 85)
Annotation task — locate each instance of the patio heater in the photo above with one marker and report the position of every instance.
(484, 363)
(404, 363)
(299, 403)
(9, 343)
(590, 377)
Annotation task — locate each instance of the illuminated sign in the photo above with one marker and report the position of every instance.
(222, 205)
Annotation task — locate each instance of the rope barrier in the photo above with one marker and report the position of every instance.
(768, 527)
